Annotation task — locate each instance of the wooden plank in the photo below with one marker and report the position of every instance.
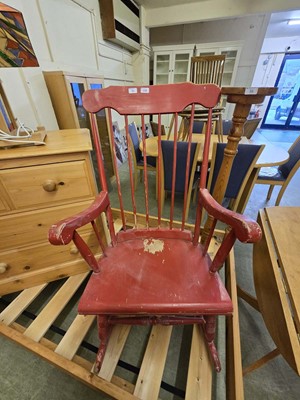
(271, 294)
(19, 304)
(287, 243)
(261, 362)
(122, 383)
(71, 341)
(114, 349)
(149, 379)
(199, 380)
(234, 372)
(84, 363)
(47, 316)
(67, 366)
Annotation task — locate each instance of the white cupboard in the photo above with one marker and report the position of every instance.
(171, 64)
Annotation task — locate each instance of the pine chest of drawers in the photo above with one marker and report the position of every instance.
(40, 185)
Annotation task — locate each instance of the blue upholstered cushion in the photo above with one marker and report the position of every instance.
(241, 163)
(181, 162)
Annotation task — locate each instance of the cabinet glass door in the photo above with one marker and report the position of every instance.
(103, 132)
(229, 66)
(162, 65)
(181, 67)
(77, 91)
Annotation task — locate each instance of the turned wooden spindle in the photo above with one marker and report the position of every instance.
(243, 98)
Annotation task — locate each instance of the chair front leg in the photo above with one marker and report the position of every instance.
(104, 331)
(270, 192)
(209, 332)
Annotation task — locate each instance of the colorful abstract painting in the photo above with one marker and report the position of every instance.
(15, 46)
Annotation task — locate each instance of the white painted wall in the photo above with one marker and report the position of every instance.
(66, 35)
(248, 30)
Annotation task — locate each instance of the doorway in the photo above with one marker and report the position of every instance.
(283, 111)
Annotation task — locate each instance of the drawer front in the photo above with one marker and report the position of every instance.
(34, 259)
(3, 206)
(31, 227)
(42, 185)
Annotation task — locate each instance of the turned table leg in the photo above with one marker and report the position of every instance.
(243, 98)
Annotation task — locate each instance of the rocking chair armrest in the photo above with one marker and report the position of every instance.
(63, 231)
(246, 229)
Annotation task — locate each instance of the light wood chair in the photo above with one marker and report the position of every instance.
(137, 157)
(281, 175)
(159, 273)
(250, 126)
(205, 69)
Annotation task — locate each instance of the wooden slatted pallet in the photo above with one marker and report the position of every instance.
(64, 353)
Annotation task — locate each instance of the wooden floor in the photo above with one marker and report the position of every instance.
(65, 350)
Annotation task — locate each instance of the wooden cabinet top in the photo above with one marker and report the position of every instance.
(77, 74)
(64, 141)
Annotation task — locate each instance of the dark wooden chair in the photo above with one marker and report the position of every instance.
(159, 273)
(281, 175)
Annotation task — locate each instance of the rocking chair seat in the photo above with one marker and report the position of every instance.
(149, 272)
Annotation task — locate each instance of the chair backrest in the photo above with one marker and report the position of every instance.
(250, 126)
(294, 152)
(242, 166)
(227, 125)
(207, 69)
(134, 137)
(182, 149)
(138, 103)
(154, 126)
(198, 126)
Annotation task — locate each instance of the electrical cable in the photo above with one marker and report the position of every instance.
(17, 135)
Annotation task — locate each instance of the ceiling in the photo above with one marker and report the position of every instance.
(163, 3)
(278, 26)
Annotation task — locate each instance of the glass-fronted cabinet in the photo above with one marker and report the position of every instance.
(230, 64)
(65, 90)
(171, 66)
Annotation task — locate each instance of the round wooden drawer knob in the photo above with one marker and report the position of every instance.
(49, 185)
(3, 267)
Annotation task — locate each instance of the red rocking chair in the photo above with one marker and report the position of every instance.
(160, 273)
